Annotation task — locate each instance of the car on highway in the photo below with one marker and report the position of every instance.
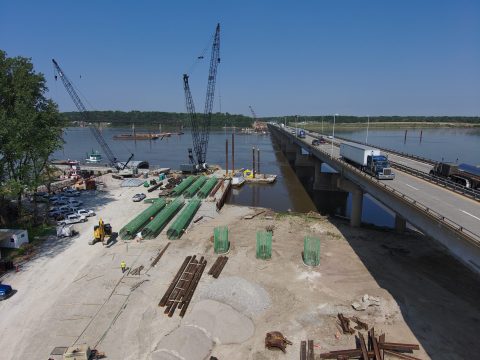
(86, 212)
(73, 219)
(5, 291)
(315, 142)
(139, 197)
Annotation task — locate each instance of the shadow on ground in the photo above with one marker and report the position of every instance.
(438, 296)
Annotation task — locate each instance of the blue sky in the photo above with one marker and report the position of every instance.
(396, 57)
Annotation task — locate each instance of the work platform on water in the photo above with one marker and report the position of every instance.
(438, 212)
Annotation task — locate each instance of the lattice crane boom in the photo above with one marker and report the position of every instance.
(84, 113)
(201, 129)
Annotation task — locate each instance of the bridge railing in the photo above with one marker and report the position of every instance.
(449, 184)
(393, 151)
(446, 183)
(460, 230)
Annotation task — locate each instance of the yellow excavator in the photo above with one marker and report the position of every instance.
(101, 232)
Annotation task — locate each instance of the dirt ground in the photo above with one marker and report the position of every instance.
(73, 293)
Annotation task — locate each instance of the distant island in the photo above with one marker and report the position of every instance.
(219, 120)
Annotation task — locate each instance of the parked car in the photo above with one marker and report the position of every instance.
(86, 212)
(5, 291)
(72, 192)
(72, 219)
(315, 142)
(54, 213)
(75, 203)
(60, 202)
(139, 197)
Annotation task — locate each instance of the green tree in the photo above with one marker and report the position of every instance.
(30, 126)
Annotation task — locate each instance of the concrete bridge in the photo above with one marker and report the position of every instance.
(446, 216)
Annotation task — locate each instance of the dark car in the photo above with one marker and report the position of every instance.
(139, 197)
(5, 291)
(315, 142)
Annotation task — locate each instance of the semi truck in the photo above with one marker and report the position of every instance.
(463, 174)
(301, 134)
(367, 159)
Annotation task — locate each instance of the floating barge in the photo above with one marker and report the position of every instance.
(261, 179)
(141, 136)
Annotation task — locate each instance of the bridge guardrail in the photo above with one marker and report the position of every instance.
(446, 183)
(461, 189)
(393, 151)
(465, 233)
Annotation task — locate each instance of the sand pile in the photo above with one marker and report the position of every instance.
(248, 298)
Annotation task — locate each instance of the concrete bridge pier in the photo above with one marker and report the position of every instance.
(291, 152)
(400, 224)
(357, 200)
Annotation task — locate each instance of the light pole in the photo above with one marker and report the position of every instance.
(322, 125)
(333, 134)
(368, 125)
(296, 120)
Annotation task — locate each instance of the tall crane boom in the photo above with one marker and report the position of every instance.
(253, 113)
(83, 111)
(200, 133)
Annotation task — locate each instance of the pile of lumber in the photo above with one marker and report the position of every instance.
(181, 289)
(218, 266)
(374, 348)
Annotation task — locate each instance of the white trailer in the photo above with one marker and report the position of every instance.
(357, 153)
(367, 159)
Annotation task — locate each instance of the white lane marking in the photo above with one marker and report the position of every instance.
(413, 187)
(470, 214)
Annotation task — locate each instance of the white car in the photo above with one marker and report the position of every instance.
(86, 212)
(73, 219)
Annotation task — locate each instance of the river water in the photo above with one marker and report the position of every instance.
(287, 193)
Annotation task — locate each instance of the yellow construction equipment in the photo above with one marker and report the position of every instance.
(101, 232)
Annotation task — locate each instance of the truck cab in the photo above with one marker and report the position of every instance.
(378, 166)
(301, 134)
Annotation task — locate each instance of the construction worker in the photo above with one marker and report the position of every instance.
(123, 266)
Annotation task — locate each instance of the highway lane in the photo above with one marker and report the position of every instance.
(402, 160)
(457, 208)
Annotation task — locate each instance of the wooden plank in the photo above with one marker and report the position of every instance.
(195, 284)
(310, 352)
(376, 349)
(400, 355)
(160, 254)
(165, 297)
(303, 350)
(220, 267)
(399, 346)
(363, 347)
(214, 266)
(181, 288)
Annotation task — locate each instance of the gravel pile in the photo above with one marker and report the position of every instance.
(248, 298)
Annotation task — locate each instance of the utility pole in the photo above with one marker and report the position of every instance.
(368, 125)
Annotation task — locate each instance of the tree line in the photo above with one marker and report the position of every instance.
(155, 118)
(30, 131)
(179, 120)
